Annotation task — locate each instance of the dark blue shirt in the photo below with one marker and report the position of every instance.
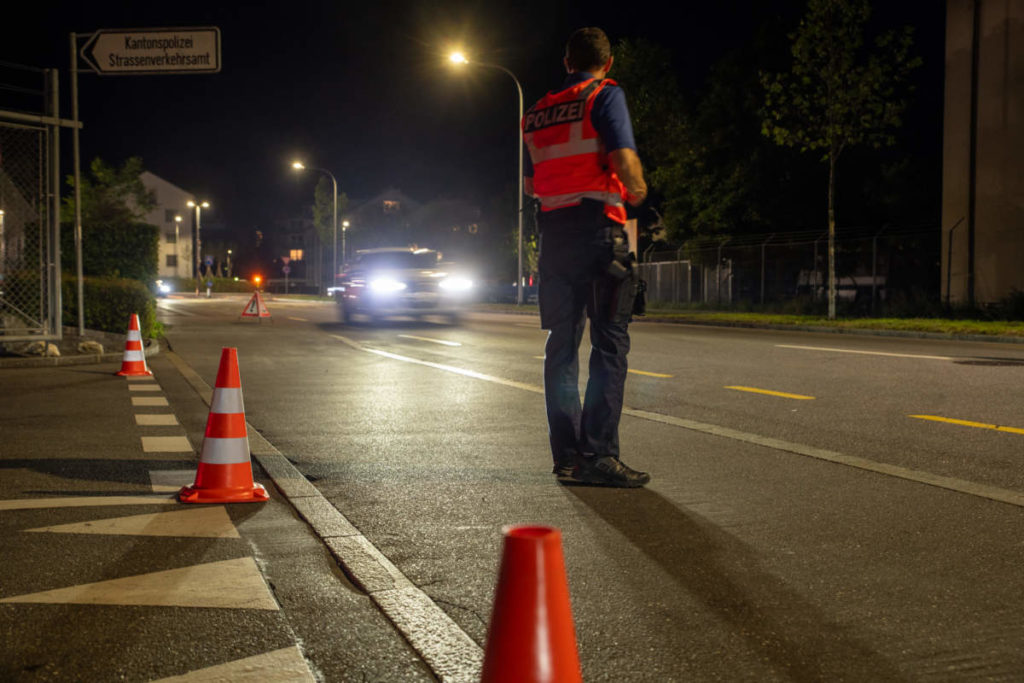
(610, 118)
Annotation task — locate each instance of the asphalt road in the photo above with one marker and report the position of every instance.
(821, 506)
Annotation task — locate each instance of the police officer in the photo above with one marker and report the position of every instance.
(583, 168)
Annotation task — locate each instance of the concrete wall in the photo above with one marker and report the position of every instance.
(171, 201)
(998, 139)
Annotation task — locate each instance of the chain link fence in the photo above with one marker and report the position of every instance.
(29, 258)
(891, 270)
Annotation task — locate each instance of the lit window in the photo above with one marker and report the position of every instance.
(295, 255)
(391, 206)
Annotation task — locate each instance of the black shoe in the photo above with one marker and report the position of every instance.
(608, 470)
(564, 471)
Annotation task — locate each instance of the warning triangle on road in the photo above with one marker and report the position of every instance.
(256, 308)
(207, 522)
(229, 584)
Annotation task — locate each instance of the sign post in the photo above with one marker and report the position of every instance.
(134, 52)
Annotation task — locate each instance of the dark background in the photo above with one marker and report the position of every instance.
(365, 89)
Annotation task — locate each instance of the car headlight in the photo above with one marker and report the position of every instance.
(386, 285)
(164, 288)
(456, 283)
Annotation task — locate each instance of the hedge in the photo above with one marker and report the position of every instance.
(109, 303)
(128, 250)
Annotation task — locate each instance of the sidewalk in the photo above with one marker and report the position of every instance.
(106, 576)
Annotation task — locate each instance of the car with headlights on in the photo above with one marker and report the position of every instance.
(402, 282)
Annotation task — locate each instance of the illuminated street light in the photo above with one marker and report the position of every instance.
(198, 206)
(299, 166)
(459, 58)
(177, 245)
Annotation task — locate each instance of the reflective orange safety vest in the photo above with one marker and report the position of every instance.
(569, 161)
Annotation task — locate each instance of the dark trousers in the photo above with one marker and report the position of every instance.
(575, 252)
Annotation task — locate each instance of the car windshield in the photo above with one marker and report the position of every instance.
(398, 260)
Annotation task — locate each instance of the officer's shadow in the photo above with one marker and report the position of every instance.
(726, 577)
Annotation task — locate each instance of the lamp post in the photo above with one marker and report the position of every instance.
(299, 166)
(177, 246)
(460, 58)
(344, 229)
(198, 206)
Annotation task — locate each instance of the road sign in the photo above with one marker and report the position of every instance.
(153, 51)
(286, 269)
(208, 260)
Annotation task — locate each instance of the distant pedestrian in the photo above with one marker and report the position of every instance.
(583, 167)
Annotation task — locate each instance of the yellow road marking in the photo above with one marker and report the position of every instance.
(782, 394)
(648, 374)
(301, 320)
(428, 339)
(968, 423)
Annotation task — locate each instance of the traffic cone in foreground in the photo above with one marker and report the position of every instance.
(134, 362)
(225, 471)
(532, 638)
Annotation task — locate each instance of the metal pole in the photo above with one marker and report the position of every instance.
(763, 246)
(54, 276)
(199, 249)
(334, 270)
(78, 183)
(519, 211)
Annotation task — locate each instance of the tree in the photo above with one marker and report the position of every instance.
(323, 210)
(838, 94)
(113, 196)
(115, 241)
(660, 124)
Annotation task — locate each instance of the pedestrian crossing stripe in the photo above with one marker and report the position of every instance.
(83, 501)
(283, 666)
(228, 584)
(212, 522)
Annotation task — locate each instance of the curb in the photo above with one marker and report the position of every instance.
(152, 349)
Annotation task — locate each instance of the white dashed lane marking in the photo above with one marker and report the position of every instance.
(166, 444)
(143, 387)
(156, 420)
(149, 401)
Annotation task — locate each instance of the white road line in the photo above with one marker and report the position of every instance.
(84, 501)
(865, 353)
(166, 444)
(149, 401)
(156, 420)
(951, 483)
(428, 339)
(301, 320)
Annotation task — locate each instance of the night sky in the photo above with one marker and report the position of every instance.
(364, 89)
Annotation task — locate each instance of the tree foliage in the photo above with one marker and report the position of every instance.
(110, 195)
(838, 94)
(323, 210)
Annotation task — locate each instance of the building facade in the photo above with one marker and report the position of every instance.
(175, 220)
(983, 151)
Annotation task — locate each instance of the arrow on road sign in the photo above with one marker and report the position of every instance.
(153, 51)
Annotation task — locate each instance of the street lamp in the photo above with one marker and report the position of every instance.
(344, 229)
(460, 59)
(177, 246)
(299, 166)
(198, 206)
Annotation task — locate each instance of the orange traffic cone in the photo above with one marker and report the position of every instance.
(225, 472)
(133, 363)
(532, 638)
